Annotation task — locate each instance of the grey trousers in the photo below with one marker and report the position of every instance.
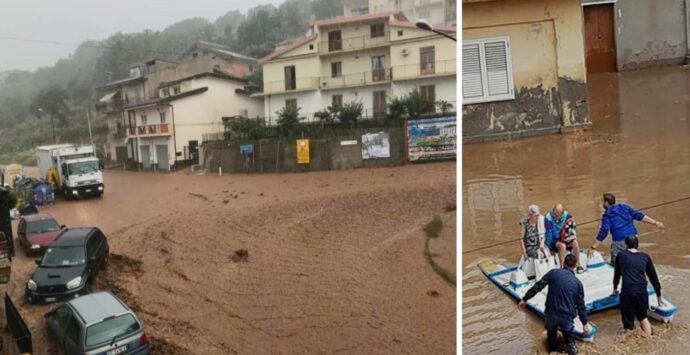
(617, 247)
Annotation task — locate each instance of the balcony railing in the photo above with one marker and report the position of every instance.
(279, 86)
(413, 71)
(352, 44)
(356, 79)
(158, 129)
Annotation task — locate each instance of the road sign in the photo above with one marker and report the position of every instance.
(247, 149)
(302, 151)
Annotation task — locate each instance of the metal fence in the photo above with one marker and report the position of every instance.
(20, 332)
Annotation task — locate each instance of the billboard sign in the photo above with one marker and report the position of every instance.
(376, 145)
(431, 139)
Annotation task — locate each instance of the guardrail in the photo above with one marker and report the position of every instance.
(356, 79)
(158, 129)
(352, 44)
(20, 332)
(417, 70)
(277, 86)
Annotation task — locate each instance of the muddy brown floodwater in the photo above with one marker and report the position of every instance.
(639, 149)
(327, 262)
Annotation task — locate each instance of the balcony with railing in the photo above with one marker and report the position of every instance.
(283, 86)
(151, 130)
(356, 79)
(353, 44)
(116, 130)
(422, 70)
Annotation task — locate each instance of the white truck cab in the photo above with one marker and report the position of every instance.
(77, 167)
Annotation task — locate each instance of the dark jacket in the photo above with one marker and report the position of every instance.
(618, 219)
(633, 266)
(566, 296)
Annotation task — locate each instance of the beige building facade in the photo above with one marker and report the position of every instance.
(523, 68)
(367, 58)
(144, 86)
(169, 129)
(435, 11)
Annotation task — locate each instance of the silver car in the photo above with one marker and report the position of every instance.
(98, 323)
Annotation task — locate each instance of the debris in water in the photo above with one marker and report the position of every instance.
(433, 293)
(240, 255)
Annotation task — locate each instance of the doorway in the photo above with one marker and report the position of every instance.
(600, 43)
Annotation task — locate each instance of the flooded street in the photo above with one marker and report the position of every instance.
(638, 149)
(335, 260)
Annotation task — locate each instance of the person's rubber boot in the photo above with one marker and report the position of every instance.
(571, 348)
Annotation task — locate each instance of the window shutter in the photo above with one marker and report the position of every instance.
(496, 68)
(471, 72)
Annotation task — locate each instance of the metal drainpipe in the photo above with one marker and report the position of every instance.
(687, 31)
(174, 138)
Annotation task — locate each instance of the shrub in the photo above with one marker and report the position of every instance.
(350, 113)
(444, 106)
(288, 119)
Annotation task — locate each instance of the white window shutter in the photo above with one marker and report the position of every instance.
(471, 72)
(496, 68)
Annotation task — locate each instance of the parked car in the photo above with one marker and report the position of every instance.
(68, 265)
(36, 231)
(99, 323)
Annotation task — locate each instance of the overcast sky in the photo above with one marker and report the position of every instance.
(73, 21)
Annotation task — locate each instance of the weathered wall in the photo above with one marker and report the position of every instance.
(279, 155)
(547, 55)
(650, 33)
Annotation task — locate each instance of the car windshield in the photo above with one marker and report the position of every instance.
(42, 226)
(111, 329)
(83, 167)
(64, 256)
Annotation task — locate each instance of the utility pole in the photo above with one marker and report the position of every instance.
(88, 120)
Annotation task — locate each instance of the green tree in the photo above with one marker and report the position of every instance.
(288, 119)
(246, 128)
(444, 106)
(397, 108)
(328, 116)
(53, 103)
(417, 104)
(350, 113)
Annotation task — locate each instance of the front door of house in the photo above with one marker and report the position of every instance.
(162, 157)
(146, 156)
(600, 46)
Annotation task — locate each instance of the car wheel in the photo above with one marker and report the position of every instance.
(105, 263)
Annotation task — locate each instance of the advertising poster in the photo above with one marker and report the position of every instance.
(376, 145)
(302, 151)
(431, 139)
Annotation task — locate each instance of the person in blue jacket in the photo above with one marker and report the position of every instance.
(564, 301)
(618, 220)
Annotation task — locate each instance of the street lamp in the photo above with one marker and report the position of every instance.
(423, 24)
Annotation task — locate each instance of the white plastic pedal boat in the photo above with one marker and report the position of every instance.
(597, 281)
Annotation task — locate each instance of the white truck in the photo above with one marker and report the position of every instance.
(78, 170)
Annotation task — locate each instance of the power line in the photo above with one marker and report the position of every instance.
(579, 224)
(85, 44)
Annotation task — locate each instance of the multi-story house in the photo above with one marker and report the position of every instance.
(366, 58)
(144, 86)
(168, 129)
(120, 93)
(434, 11)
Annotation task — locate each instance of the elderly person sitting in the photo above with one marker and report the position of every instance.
(561, 234)
(533, 233)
